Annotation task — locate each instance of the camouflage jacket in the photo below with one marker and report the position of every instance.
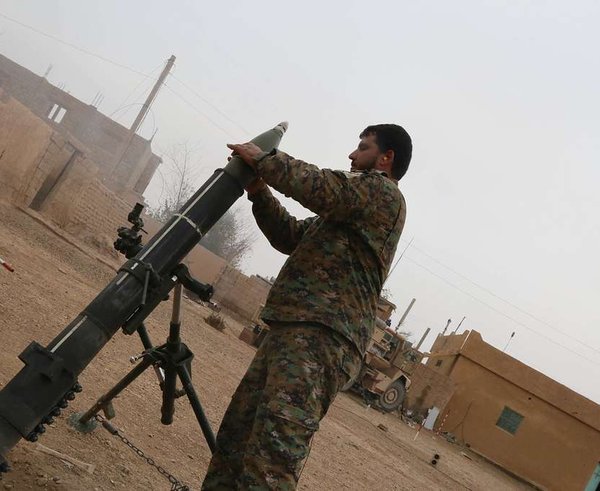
(338, 259)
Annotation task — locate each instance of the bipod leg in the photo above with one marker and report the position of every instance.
(147, 343)
(116, 390)
(171, 350)
(186, 380)
(179, 358)
(168, 405)
(144, 336)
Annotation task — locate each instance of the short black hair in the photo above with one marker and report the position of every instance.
(392, 137)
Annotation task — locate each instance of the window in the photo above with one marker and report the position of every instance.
(438, 363)
(509, 420)
(57, 113)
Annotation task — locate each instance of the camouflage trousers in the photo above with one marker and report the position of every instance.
(265, 436)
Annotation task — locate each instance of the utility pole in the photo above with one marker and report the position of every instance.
(141, 115)
(412, 302)
(508, 342)
(48, 70)
(422, 338)
(459, 324)
(446, 328)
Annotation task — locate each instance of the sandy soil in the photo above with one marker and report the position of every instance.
(56, 276)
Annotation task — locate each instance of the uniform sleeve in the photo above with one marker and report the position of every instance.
(331, 194)
(280, 228)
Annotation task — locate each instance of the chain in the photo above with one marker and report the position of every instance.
(176, 485)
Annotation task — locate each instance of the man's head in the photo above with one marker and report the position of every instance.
(385, 147)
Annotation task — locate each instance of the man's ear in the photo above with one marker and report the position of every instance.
(388, 160)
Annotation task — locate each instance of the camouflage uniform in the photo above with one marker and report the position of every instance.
(265, 435)
(321, 310)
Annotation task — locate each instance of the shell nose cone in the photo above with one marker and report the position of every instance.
(284, 125)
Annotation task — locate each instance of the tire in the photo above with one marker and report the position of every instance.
(393, 397)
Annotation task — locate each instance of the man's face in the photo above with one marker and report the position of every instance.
(367, 155)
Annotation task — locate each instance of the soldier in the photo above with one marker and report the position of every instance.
(321, 309)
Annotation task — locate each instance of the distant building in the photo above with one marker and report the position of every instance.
(517, 417)
(102, 137)
(57, 158)
(385, 309)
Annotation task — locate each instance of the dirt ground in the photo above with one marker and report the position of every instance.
(56, 277)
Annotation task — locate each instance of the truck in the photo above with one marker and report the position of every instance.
(389, 363)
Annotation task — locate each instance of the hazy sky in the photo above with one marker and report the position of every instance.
(501, 99)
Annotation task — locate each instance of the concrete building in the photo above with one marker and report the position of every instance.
(103, 138)
(517, 417)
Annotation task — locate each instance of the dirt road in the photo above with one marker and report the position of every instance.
(56, 276)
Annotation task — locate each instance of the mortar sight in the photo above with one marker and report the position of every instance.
(129, 242)
(134, 217)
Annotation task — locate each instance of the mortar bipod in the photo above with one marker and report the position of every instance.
(173, 359)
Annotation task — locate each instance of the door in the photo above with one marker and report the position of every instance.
(431, 417)
(52, 180)
(594, 484)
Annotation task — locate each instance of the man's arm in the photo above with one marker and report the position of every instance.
(280, 228)
(331, 194)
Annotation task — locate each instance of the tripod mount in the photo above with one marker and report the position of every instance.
(171, 360)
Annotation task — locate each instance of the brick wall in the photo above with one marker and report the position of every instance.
(23, 143)
(38, 166)
(98, 209)
(205, 265)
(240, 293)
(244, 295)
(429, 388)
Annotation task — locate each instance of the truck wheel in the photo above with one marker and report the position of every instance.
(392, 398)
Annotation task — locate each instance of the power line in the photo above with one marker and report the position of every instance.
(142, 82)
(516, 307)
(195, 108)
(206, 101)
(396, 263)
(145, 75)
(150, 111)
(71, 45)
(502, 313)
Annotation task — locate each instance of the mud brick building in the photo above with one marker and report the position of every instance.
(102, 139)
(429, 389)
(59, 157)
(517, 417)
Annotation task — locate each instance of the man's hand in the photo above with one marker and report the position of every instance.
(255, 186)
(247, 151)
